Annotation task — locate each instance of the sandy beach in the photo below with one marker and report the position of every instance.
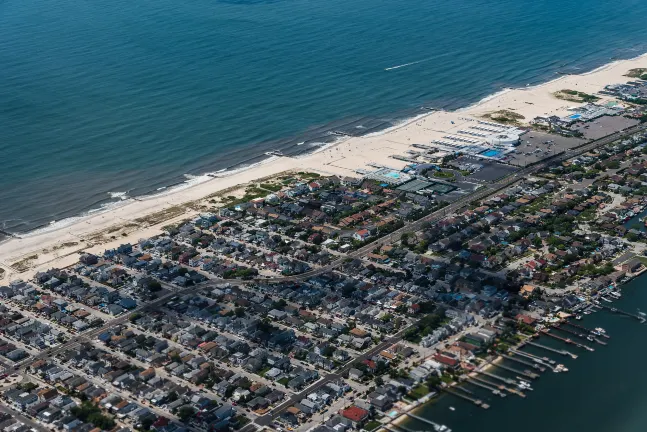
(58, 245)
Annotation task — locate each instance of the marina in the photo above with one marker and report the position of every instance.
(542, 352)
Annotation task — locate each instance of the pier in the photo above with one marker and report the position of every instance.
(577, 326)
(527, 374)
(523, 362)
(423, 420)
(621, 312)
(543, 361)
(494, 390)
(476, 402)
(547, 348)
(500, 378)
(568, 341)
(569, 331)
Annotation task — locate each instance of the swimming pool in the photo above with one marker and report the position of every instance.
(491, 153)
(575, 116)
(393, 175)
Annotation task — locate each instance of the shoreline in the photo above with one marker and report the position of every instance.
(341, 157)
(316, 147)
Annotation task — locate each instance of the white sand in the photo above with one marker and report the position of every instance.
(342, 158)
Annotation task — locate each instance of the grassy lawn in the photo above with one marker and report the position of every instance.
(443, 174)
(418, 392)
(642, 259)
(373, 424)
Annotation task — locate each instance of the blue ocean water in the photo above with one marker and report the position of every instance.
(127, 96)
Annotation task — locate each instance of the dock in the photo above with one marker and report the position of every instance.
(568, 341)
(621, 312)
(523, 362)
(527, 374)
(422, 419)
(543, 361)
(478, 383)
(557, 351)
(577, 326)
(476, 402)
(500, 378)
(569, 331)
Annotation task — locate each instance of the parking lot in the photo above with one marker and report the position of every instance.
(536, 146)
(603, 126)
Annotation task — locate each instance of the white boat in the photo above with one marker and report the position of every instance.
(606, 299)
(595, 332)
(578, 317)
(615, 294)
(452, 409)
(590, 338)
(642, 314)
(601, 330)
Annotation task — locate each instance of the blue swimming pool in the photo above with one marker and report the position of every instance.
(575, 116)
(491, 153)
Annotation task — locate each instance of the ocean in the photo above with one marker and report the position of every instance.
(602, 391)
(104, 100)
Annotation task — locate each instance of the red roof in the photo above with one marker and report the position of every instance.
(355, 413)
(370, 363)
(445, 360)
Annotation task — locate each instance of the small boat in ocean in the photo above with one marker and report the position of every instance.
(601, 330)
(615, 294)
(606, 299)
(578, 317)
(642, 314)
(451, 408)
(590, 338)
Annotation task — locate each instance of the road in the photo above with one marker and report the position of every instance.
(391, 238)
(21, 418)
(481, 193)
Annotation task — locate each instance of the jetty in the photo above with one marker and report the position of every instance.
(557, 351)
(621, 312)
(475, 401)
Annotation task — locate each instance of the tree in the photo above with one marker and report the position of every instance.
(185, 413)
(240, 312)
(379, 381)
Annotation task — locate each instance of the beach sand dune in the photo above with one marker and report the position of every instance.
(59, 245)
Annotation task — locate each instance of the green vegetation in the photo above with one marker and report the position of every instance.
(240, 273)
(637, 73)
(90, 413)
(271, 187)
(372, 425)
(505, 116)
(575, 96)
(419, 391)
(426, 325)
(444, 174)
(185, 412)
